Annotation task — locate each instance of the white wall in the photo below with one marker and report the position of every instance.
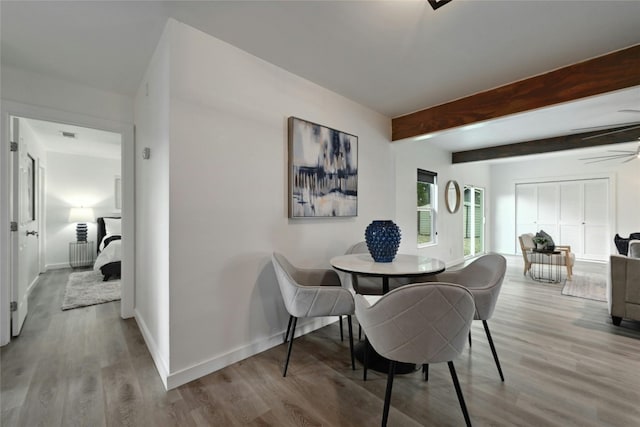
(504, 176)
(411, 156)
(73, 181)
(152, 207)
(228, 186)
(37, 89)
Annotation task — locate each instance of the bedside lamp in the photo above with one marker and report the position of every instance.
(81, 216)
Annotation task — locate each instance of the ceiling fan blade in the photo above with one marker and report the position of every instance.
(615, 125)
(596, 160)
(610, 156)
(611, 133)
(603, 158)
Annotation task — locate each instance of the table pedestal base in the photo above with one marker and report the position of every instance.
(379, 363)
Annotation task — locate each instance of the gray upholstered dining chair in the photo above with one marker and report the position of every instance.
(311, 293)
(421, 323)
(483, 277)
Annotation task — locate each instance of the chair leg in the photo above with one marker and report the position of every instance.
(456, 384)
(616, 320)
(493, 349)
(469, 337)
(353, 358)
(341, 333)
(293, 332)
(425, 371)
(359, 332)
(387, 395)
(366, 355)
(286, 336)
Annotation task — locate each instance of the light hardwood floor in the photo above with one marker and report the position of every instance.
(565, 364)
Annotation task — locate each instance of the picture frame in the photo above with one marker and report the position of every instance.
(323, 171)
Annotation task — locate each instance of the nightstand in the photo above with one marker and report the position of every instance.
(81, 254)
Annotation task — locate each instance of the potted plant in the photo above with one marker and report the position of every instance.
(541, 242)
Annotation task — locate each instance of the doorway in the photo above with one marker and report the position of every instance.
(473, 221)
(125, 130)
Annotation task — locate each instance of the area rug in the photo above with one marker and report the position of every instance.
(592, 286)
(86, 288)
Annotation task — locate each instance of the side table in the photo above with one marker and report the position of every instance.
(81, 254)
(546, 266)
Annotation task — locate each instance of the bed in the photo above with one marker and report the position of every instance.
(109, 239)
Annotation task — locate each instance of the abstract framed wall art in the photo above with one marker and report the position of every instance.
(323, 171)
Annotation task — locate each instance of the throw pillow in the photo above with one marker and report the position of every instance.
(550, 244)
(112, 226)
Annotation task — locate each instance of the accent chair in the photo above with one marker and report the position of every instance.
(565, 257)
(622, 243)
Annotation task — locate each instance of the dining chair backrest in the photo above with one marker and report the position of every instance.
(419, 323)
(483, 277)
(311, 292)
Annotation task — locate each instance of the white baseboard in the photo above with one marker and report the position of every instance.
(199, 370)
(32, 285)
(57, 266)
(158, 360)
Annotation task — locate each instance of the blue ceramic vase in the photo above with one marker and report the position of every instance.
(383, 240)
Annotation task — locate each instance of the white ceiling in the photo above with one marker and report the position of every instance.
(394, 57)
(87, 142)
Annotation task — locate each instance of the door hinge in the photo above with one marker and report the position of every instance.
(13, 146)
(13, 306)
(14, 226)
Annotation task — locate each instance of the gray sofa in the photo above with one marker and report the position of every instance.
(624, 291)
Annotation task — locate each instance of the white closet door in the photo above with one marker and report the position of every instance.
(571, 216)
(574, 213)
(596, 219)
(526, 210)
(548, 209)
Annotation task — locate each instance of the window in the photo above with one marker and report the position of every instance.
(473, 221)
(427, 207)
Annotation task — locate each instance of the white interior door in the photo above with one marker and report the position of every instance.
(548, 209)
(596, 219)
(571, 216)
(24, 244)
(526, 210)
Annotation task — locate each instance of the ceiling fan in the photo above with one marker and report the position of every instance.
(624, 155)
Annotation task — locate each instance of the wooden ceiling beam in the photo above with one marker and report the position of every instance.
(567, 142)
(607, 73)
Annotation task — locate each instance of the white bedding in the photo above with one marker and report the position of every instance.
(104, 239)
(109, 254)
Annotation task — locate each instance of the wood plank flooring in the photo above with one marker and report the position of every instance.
(565, 364)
